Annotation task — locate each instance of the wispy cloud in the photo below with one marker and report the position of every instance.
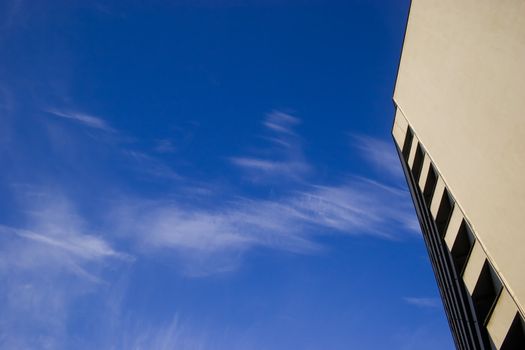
(423, 302)
(79, 245)
(151, 165)
(380, 153)
(207, 241)
(284, 158)
(281, 122)
(360, 206)
(265, 167)
(82, 118)
(215, 229)
(56, 246)
(291, 222)
(210, 235)
(48, 264)
(56, 231)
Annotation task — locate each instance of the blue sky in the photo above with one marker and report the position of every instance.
(207, 175)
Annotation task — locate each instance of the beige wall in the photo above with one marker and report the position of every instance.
(461, 86)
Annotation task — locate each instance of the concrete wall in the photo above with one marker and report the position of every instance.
(461, 86)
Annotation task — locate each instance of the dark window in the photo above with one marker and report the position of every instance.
(430, 185)
(462, 247)
(418, 162)
(444, 213)
(486, 292)
(515, 339)
(407, 145)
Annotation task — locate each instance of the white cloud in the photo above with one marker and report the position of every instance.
(54, 227)
(284, 158)
(261, 168)
(150, 165)
(55, 258)
(281, 122)
(381, 154)
(291, 222)
(47, 266)
(79, 245)
(358, 207)
(82, 118)
(423, 302)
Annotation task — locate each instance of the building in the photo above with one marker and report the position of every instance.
(460, 132)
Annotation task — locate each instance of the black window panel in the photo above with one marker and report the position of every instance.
(486, 292)
(444, 213)
(407, 145)
(430, 185)
(515, 339)
(418, 162)
(462, 247)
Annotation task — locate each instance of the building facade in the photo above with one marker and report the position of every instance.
(460, 133)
